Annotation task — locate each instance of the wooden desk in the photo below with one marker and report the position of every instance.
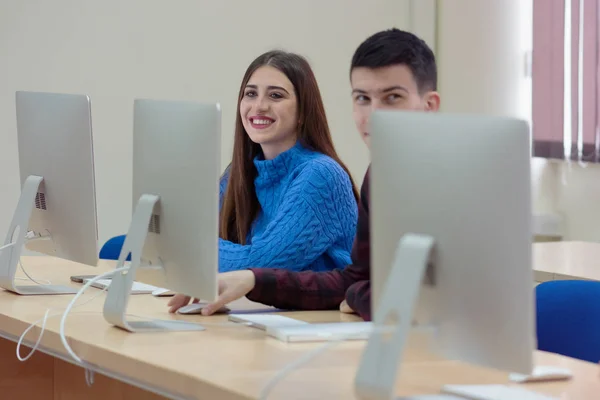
(227, 361)
(566, 260)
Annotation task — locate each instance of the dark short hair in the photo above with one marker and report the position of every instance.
(394, 46)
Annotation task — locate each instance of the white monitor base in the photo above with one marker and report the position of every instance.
(494, 392)
(34, 290)
(377, 371)
(119, 290)
(17, 235)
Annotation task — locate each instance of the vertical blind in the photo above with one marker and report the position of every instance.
(565, 92)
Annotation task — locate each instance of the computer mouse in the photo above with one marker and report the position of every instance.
(196, 308)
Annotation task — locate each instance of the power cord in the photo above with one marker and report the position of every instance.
(89, 373)
(307, 357)
(28, 236)
(71, 305)
(6, 246)
(29, 276)
(43, 320)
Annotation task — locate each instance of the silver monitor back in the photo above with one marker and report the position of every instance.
(55, 143)
(176, 156)
(465, 181)
(176, 161)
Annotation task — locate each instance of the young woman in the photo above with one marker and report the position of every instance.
(287, 201)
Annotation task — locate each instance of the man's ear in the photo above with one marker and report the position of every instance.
(432, 101)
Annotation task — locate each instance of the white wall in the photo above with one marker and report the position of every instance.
(570, 190)
(117, 50)
(480, 56)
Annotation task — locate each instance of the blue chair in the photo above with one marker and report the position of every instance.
(112, 249)
(568, 318)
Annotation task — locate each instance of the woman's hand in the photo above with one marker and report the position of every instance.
(232, 286)
(178, 301)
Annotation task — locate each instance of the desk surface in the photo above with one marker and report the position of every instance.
(566, 260)
(229, 361)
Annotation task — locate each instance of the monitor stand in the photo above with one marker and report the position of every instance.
(119, 290)
(16, 238)
(378, 368)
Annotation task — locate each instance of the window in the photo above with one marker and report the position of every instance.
(565, 79)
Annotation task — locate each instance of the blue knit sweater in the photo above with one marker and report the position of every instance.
(307, 219)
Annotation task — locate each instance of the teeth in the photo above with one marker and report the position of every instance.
(262, 121)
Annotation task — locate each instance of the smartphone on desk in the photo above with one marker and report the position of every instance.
(81, 278)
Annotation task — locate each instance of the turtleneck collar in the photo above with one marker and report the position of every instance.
(270, 172)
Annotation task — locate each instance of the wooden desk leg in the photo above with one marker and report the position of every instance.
(32, 379)
(69, 384)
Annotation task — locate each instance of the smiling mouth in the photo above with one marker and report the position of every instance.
(261, 122)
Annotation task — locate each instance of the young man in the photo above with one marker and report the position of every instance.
(392, 70)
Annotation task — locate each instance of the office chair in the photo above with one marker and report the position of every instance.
(568, 318)
(112, 249)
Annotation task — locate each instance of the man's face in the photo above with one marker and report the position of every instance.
(387, 88)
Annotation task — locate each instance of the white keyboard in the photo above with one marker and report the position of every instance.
(137, 288)
(265, 321)
(322, 332)
(494, 392)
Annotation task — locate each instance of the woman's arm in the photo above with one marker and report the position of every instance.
(317, 210)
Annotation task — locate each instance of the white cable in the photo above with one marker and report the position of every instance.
(37, 342)
(70, 306)
(307, 357)
(29, 276)
(7, 246)
(43, 320)
(89, 374)
(18, 278)
(31, 237)
(22, 268)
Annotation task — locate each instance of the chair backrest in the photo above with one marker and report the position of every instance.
(568, 318)
(112, 249)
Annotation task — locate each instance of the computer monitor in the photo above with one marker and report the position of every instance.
(56, 212)
(173, 236)
(450, 212)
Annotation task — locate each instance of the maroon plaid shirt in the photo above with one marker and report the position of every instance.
(310, 290)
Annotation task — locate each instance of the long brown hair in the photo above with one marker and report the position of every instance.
(240, 204)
